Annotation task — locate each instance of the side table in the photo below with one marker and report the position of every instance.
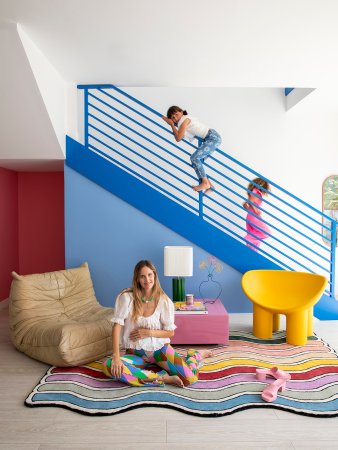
(211, 328)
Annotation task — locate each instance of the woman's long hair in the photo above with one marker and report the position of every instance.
(136, 290)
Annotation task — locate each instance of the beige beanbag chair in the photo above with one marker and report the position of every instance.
(55, 317)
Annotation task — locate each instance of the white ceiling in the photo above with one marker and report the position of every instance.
(220, 43)
(268, 43)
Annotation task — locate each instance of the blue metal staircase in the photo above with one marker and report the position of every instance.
(127, 152)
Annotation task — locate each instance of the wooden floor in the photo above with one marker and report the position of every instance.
(147, 428)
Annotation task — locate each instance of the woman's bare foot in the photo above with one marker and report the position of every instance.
(172, 379)
(206, 354)
(158, 381)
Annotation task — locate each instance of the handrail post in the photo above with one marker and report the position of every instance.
(86, 117)
(333, 257)
(200, 204)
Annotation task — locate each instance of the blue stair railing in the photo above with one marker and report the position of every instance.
(130, 134)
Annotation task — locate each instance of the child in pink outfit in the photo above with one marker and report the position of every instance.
(252, 221)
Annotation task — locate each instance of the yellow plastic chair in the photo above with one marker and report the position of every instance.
(275, 292)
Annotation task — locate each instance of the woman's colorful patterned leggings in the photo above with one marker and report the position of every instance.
(136, 374)
(207, 147)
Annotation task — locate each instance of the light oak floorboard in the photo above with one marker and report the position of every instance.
(90, 430)
(4, 446)
(252, 430)
(316, 445)
(182, 446)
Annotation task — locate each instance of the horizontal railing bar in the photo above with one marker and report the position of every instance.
(136, 101)
(138, 174)
(267, 212)
(273, 184)
(272, 226)
(140, 145)
(149, 109)
(320, 224)
(145, 117)
(242, 239)
(278, 240)
(139, 134)
(138, 123)
(276, 249)
(266, 201)
(94, 86)
(139, 165)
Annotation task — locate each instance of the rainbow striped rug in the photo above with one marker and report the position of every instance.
(227, 382)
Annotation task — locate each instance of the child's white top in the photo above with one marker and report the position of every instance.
(162, 319)
(194, 129)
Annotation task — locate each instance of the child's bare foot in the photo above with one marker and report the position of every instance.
(172, 379)
(201, 187)
(210, 188)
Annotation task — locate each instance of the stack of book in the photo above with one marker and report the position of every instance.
(196, 308)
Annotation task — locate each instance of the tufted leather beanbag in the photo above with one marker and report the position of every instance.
(55, 317)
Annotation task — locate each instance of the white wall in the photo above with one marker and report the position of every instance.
(26, 131)
(51, 85)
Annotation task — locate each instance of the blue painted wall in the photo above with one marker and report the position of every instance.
(113, 236)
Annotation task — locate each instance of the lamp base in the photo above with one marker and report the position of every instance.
(178, 289)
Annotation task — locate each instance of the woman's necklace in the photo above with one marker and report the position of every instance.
(143, 300)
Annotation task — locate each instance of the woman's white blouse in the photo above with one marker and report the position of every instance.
(162, 319)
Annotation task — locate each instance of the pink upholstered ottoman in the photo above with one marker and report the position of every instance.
(211, 328)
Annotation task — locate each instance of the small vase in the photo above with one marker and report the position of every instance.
(210, 289)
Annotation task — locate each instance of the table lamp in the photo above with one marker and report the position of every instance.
(178, 263)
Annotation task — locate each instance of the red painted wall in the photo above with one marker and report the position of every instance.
(41, 222)
(9, 254)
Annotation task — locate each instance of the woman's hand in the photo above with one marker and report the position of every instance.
(169, 121)
(116, 367)
(139, 333)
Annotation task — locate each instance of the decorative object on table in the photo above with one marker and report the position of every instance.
(178, 263)
(196, 308)
(210, 288)
(189, 299)
(227, 382)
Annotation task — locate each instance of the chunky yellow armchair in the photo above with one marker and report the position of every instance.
(293, 294)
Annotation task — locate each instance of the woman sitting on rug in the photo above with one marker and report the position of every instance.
(144, 322)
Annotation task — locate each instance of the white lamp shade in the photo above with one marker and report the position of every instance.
(178, 261)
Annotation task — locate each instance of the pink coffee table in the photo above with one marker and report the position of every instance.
(211, 328)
